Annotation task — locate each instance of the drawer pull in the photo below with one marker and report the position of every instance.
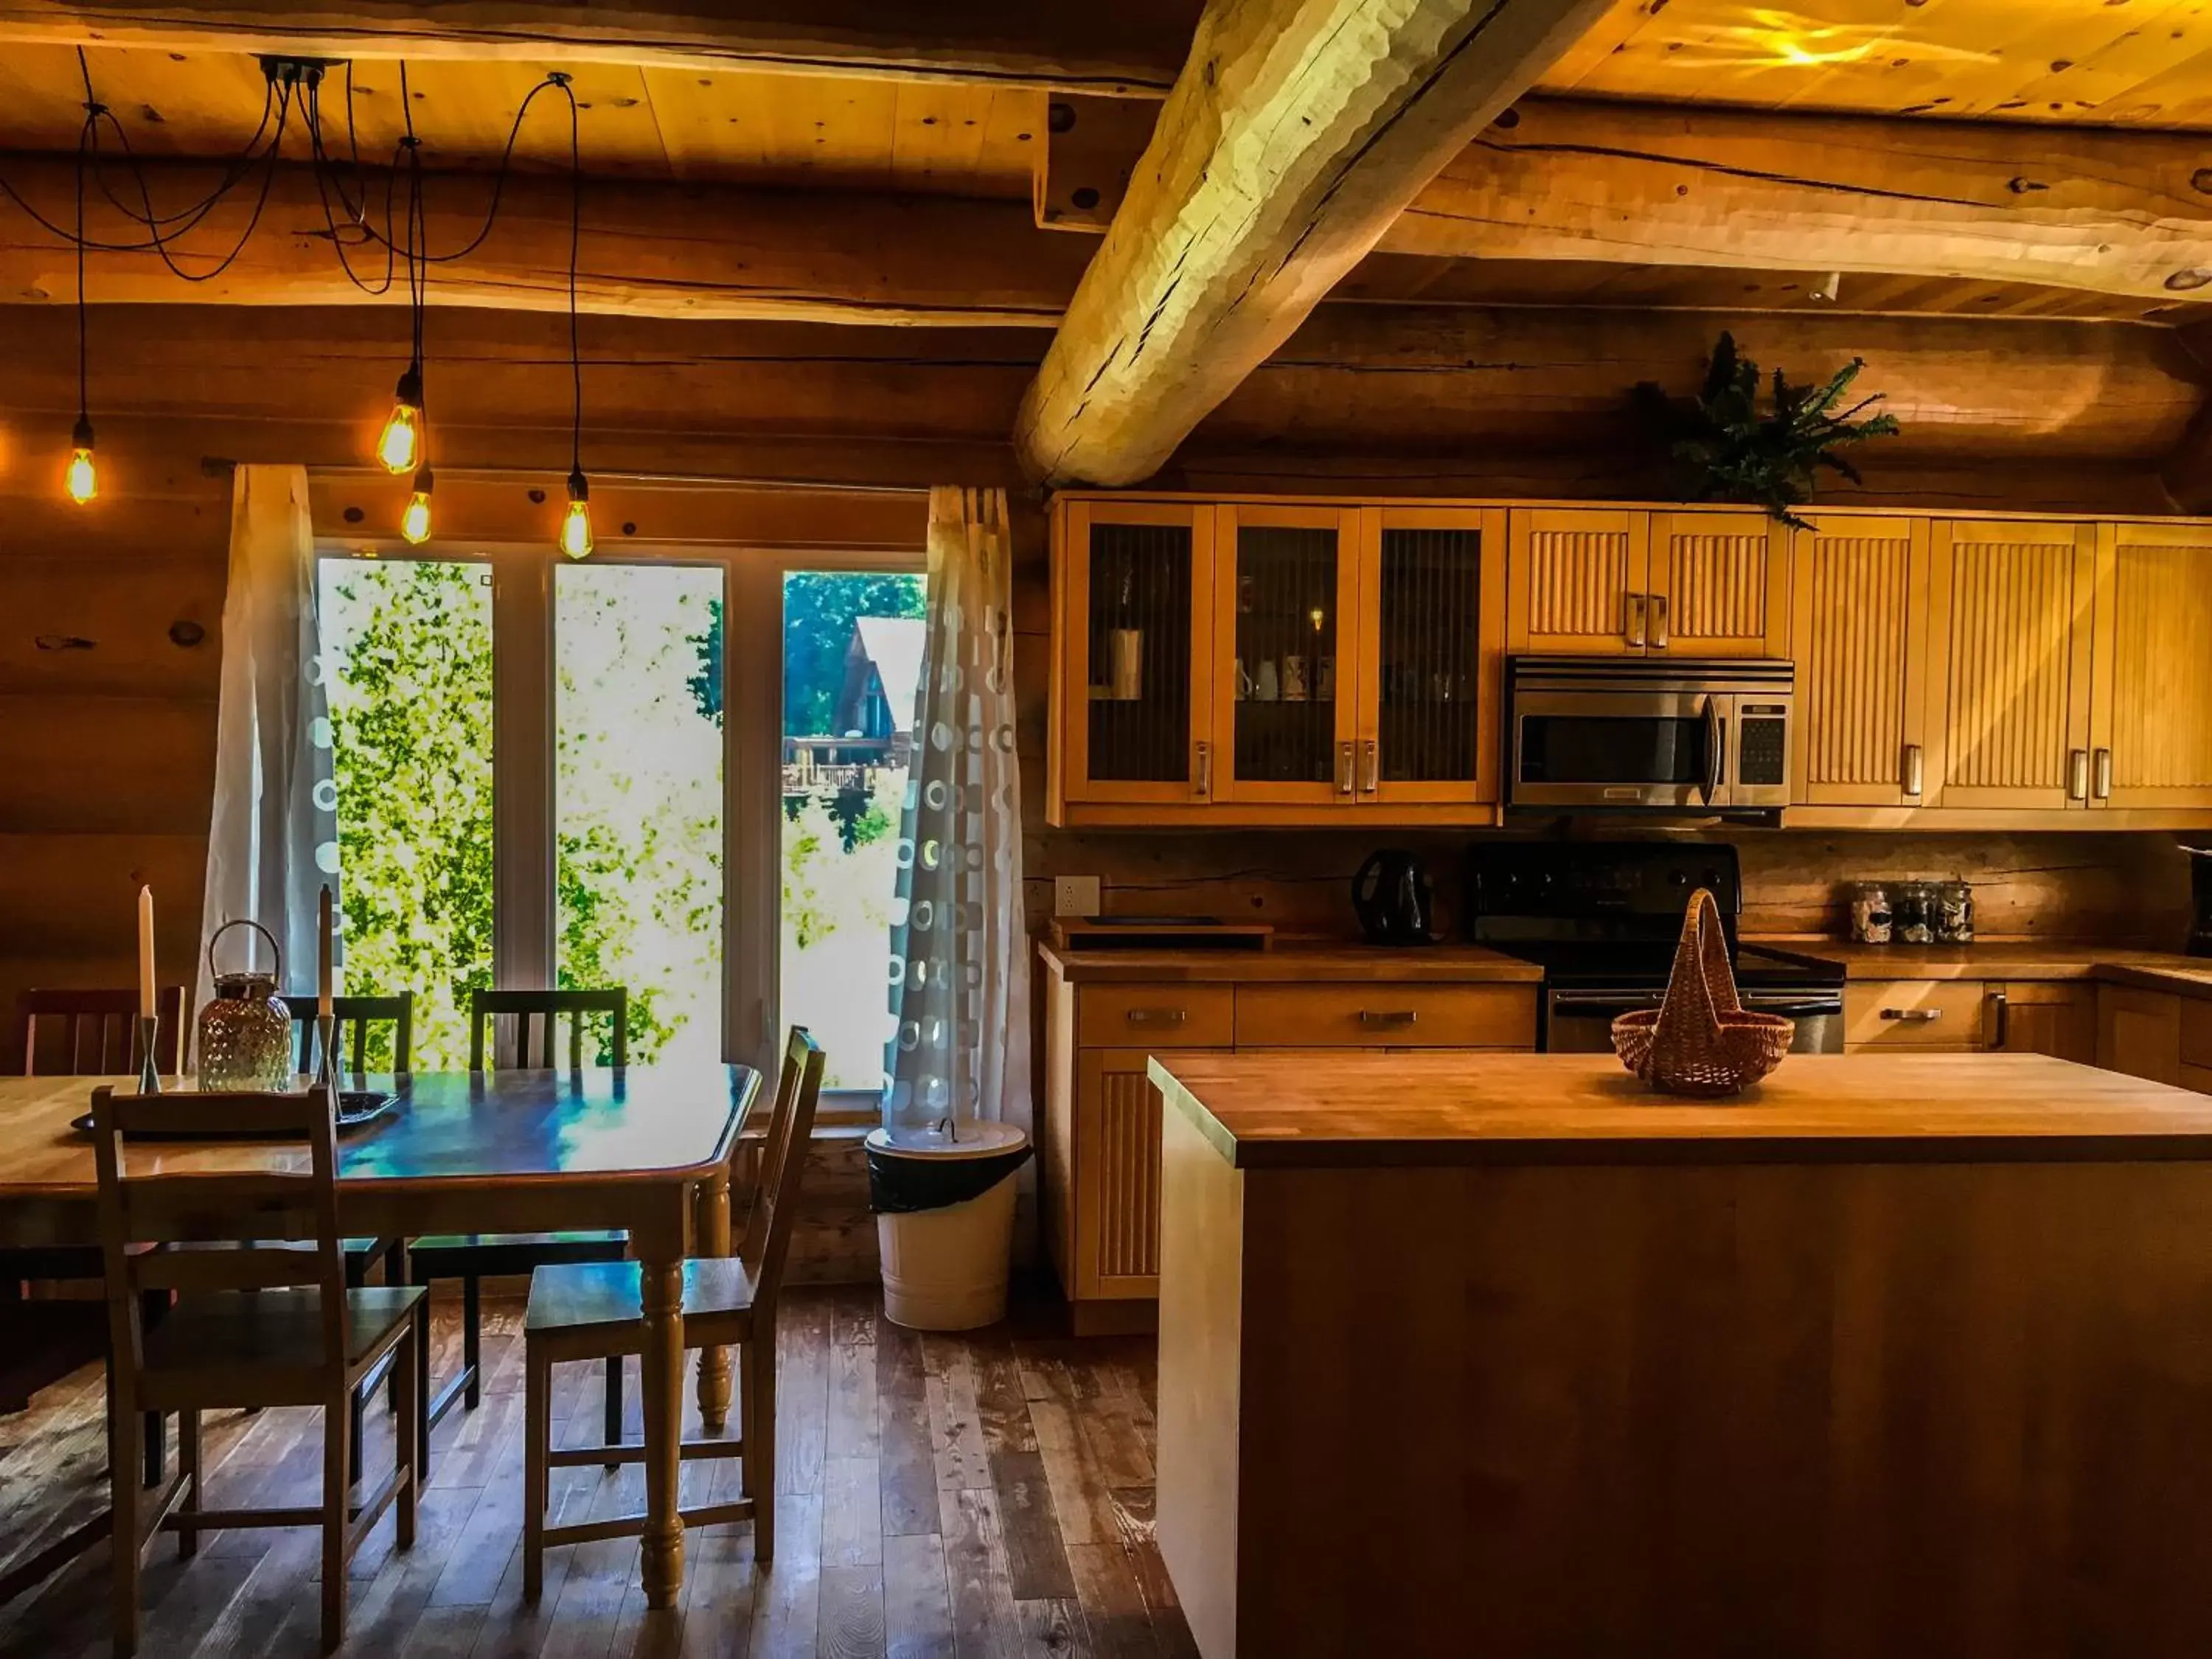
(1156, 1015)
(1388, 1016)
(1913, 1016)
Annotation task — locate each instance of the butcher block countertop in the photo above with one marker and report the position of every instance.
(2013, 959)
(1294, 963)
(1321, 1111)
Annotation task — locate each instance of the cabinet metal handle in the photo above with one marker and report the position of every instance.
(1636, 607)
(1913, 1016)
(1388, 1016)
(1156, 1015)
(2104, 774)
(1914, 769)
(1370, 768)
(2077, 774)
(1344, 768)
(1202, 772)
(2001, 1006)
(1658, 621)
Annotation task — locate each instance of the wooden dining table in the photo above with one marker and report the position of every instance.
(644, 1148)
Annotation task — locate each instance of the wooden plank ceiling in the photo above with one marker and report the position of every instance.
(967, 138)
(2121, 63)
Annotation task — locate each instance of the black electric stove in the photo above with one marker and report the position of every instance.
(1602, 919)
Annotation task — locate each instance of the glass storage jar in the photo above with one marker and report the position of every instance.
(1954, 914)
(1912, 910)
(245, 1038)
(1870, 915)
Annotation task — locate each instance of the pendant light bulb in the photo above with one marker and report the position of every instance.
(577, 527)
(400, 448)
(82, 478)
(415, 522)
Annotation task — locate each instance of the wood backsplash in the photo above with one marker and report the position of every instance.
(2131, 888)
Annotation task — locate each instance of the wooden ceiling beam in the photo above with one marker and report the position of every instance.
(715, 251)
(1296, 134)
(1131, 47)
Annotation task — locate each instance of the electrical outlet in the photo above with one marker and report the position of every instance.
(1075, 895)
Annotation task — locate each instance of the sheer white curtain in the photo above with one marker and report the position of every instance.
(272, 838)
(960, 992)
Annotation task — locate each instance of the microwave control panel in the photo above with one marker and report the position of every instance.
(1763, 758)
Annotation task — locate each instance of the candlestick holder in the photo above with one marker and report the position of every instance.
(326, 1043)
(149, 1074)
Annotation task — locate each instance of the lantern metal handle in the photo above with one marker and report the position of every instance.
(275, 952)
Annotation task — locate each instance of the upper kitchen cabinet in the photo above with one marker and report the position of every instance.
(2011, 607)
(1132, 635)
(2151, 715)
(1285, 655)
(1576, 581)
(1860, 632)
(1432, 635)
(1718, 584)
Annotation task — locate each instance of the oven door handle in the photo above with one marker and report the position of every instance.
(1711, 790)
(1796, 1007)
(1586, 1003)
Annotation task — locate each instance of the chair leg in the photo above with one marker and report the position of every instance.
(423, 1387)
(188, 1469)
(155, 1450)
(471, 1343)
(538, 1440)
(759, 1454)
(395, 1272)
(355, 1424)
(336, 1423)
(613, 1422)
(124, 1455)
(405, 1423)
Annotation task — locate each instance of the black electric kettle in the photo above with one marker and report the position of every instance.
(1392, 898)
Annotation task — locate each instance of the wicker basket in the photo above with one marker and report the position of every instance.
(1701, 1040)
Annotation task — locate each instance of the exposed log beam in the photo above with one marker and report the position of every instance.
(1133, 46)
(1297, 132)
(2101, 210)
(648, 250)
(2187, 470)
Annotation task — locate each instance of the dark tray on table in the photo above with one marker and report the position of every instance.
(356, 1107)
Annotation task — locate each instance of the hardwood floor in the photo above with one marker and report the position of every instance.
(987, 1494)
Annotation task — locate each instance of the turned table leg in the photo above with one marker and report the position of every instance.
(714, 1239)
(661, 1365)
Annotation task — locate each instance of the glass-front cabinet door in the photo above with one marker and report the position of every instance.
(1433, 606)
(1286, 634)
(1135, 683)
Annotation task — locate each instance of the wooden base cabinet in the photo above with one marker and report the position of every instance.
(1971, 1015)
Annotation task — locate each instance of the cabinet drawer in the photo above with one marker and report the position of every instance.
(1386, 1016)
(1945, 1013)
(1155, 1016)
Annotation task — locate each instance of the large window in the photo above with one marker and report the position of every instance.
(681, 774)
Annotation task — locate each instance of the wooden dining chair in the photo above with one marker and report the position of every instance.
(255, 1326)
(596, 1311)
(474, 1257)
(98, 1030)
(354, 1016)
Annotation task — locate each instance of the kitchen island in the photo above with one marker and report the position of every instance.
(1896, 1354)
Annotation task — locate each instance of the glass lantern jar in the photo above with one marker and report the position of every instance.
(245, 1033)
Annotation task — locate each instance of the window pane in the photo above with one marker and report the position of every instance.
(852, 664)
(638, 798)
(407, 662)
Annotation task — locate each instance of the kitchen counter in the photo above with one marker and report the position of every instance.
(1895, 1354)
(1295, 963)
(2012, 959)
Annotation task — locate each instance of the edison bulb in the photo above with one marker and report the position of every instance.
(82, 479)
(415, 522)
(576, 526)
(400, 447)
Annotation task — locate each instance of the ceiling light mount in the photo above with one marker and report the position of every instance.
(301, 74)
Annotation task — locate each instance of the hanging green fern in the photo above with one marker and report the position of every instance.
(1730, 452)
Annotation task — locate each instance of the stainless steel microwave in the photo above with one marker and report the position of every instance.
(1656, 734)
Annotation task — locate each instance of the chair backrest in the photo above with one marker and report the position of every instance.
(783, 1159)
(99, 1029)
(257, 1198)
(355, 1015)
(547, 1006)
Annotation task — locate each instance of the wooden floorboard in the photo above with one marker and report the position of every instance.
(983, 1496)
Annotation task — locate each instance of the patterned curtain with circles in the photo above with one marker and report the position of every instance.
(959, 970)
(272, 834)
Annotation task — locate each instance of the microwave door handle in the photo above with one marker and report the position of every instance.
(1712, 789)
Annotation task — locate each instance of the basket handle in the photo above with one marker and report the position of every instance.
(1701, 988)
(276, 952)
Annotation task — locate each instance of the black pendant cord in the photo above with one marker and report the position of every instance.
(576, 245)
(83, 373)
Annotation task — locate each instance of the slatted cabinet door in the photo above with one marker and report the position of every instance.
(1285, 655)
(1117, 1163)
(1719, 584)
(1135, 629)
(1432, 610)
(1576, 579)
(1859, 589)
(2151, 717)
(2010, 628)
